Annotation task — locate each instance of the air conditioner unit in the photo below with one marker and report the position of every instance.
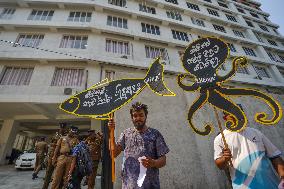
(124, 56)
(68, 91)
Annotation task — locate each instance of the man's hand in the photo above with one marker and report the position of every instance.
(227, 155)
(148, 162)
(111, 124)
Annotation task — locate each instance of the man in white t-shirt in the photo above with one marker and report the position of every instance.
(253, 157)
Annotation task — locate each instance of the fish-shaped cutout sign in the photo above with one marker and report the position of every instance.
(106, 97)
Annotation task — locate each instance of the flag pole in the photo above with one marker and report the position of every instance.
(222, 134)
(111, 147)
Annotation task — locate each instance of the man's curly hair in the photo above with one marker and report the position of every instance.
(139, 106)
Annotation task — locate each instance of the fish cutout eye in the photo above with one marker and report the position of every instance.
(70, 105)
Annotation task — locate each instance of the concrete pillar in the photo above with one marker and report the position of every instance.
(263, 54)
(251, 35)
(277, 74)
(23, 147)
(7, 137)
(96, 124)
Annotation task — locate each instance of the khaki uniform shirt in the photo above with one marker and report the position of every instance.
(67, 144)
(41, 148)
(95, 146)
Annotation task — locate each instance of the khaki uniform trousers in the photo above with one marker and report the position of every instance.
(61, 171)
(92, 177)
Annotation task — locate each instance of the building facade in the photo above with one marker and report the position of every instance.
(51, 49)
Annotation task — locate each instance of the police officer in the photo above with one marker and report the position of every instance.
(62, 158)
(50, 167)
(41, 150)
(94, 142)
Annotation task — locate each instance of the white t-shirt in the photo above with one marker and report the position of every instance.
(251, 150)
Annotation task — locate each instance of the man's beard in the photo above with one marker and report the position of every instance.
(139, 125)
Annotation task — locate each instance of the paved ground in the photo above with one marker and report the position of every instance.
(10, 178)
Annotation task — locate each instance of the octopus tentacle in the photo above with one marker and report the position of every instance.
(180, 77)
(262, 116)
(196, 105)
(239, 60)
(221, 102)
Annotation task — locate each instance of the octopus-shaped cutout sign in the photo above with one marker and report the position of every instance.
(201, 59)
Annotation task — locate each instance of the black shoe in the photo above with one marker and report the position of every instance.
(34, 176)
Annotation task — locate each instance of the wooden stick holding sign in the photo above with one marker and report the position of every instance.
(222, 134)
(201, 60)
(103, 99)
(111, 149)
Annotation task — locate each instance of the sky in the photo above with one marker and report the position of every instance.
(276, 10)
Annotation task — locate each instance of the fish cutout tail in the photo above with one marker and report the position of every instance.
(155, 79)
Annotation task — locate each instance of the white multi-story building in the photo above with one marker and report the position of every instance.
(51, 49)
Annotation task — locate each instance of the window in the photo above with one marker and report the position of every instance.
(272, 56)
(275, 31)
(192, 6)
(172, 1)
(239, 33)
(242, 70)
(249, 51)
(154, 52)
(254, 15)
(258, 37)
(117, 22)
(219, 28)
(7, 13)
(79, 17)
(272, 42)
(109, 74)
(232, 47)
(174, 15)
(231, 18)
(281, 58)
(152, 29)
(249, 23)
(30, 40)
(241, 10)
(198, 22)
(74, 42)
(180, 35)
(261, 72)
(67, 77)
(121, 3)
(42, 15)
(213, 12)
(222, 4)
(281, 71)
(144, 8)
(16, 76)
(117, 47)
(264, 28)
